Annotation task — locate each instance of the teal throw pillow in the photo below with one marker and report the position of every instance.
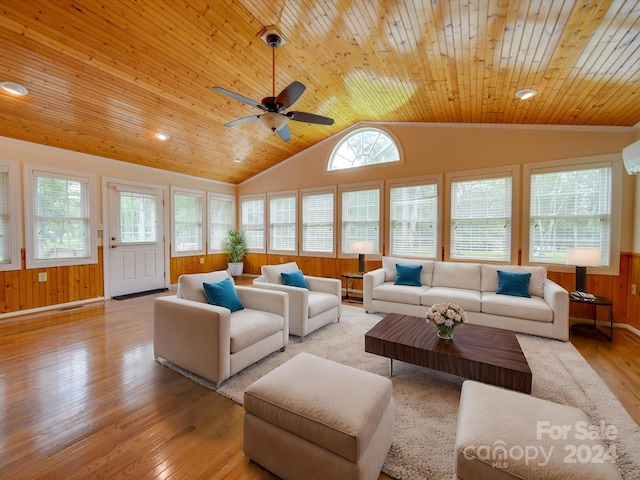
(294, 279)
(513, 283)
(408, 275)
(223, 294)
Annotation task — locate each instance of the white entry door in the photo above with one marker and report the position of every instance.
(136, 239)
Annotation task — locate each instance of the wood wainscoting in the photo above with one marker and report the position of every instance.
(23, 291)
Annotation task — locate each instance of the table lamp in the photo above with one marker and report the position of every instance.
(583, 258)
(362, 247)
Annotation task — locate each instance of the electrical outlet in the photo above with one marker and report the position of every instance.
(201, 260)
(42, 276)
(633, 289)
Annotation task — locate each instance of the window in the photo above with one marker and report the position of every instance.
(571, 206)
(282, 223)
(187, 222)
(61, 218)
(360, 220)
(481, 222)
(10, 215)
(365, 146)
(138, 222)
(221, 220)
(318, 234)
(413, 219)
(252, 222)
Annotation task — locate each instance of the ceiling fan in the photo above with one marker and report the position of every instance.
(274, 108)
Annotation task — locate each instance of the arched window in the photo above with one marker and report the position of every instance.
(365, 146)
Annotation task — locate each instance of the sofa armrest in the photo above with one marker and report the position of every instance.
(324, 284)
(267, 300)
(193, 335)
(371, 280)
(298, 298)
(558, 299)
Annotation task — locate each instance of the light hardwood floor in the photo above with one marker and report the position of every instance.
(81, 397)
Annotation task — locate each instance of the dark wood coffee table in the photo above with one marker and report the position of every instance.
(486, 354)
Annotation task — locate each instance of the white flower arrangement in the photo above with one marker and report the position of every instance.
(447, 314)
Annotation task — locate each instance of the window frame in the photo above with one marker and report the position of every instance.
(342, 189)
(14, 215)
(232, 226)
(571, 164)
(415, 182)
(357, 130)
(269, 214)
(311, 192)
(241, 223)
(30, 171)
(512, 171)
(200, 195)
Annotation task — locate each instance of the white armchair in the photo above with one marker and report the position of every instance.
(211, 341)
(309, 308)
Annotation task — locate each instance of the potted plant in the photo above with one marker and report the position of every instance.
(235, 247)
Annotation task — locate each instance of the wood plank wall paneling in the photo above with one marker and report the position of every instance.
(23, 291)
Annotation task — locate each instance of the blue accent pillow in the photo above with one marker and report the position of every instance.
(408, 275)
(294, 279)
(223, 294)
(513, 283)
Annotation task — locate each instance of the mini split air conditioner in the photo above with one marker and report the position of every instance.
(631, 157)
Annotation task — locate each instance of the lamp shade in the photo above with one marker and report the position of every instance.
(273, 121)
(584, 257)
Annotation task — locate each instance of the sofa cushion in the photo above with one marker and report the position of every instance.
(468, 300)
(389, 292)
(534, 308)
(389, 265)
(223, 294)
(294, 279)
(513, 283)
(456, 275)
(408, 275)
(320, 302)
(190, 286)
(490, 277)
(272, 273)
(249, 326)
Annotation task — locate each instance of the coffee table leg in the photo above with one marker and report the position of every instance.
(391, 367)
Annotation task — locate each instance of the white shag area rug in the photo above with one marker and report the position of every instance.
(427, 400)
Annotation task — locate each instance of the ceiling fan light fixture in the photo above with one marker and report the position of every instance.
(526, 93)
(14, 88)
(273, 121)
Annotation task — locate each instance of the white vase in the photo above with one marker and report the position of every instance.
(235, 268)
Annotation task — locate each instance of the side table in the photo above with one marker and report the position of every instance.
(350, 278)
(598, 302)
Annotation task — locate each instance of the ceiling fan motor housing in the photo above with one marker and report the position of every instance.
(274, 40)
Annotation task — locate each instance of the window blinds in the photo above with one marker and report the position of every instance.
(317, 223)
(360, 219)
(414, 221)
(282, 223)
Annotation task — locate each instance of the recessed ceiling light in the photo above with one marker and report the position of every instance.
(237, 159)
(14, 88)
(526, 93)
(162, 136)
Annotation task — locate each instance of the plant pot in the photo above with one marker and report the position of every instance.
(235, 268)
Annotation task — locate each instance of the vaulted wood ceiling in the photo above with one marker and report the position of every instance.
(105, 75)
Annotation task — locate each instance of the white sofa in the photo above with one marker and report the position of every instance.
(473, 287)
(309, 308)
(211, 341)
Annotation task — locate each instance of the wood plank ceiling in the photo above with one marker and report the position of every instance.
(105, 75)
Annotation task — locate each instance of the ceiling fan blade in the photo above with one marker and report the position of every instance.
(241, 98)
(310, 118)
(242, 121)
(290, 94)
(285, 133)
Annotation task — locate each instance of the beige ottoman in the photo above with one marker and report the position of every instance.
(504, 434)
(312, 418)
